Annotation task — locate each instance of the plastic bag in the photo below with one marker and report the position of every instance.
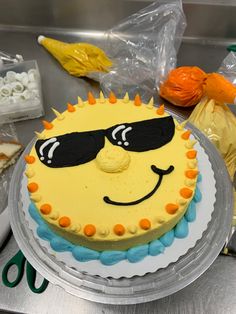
(137, 54)
(185, 86)
(143, 49)
(218, 123)
(79, 59)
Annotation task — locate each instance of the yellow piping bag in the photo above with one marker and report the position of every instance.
(218, 123)
(79, 59)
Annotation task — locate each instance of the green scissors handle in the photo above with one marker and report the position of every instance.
(31, 278)
(19, 261)
(231, 48)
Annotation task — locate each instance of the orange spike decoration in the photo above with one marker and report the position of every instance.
(70, 107)
(47, 125)
(91, 99)
(161, 110)
(137, 100)
(112, 98)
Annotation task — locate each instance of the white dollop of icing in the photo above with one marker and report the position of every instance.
(103, 231)
(132, 229)
(160, 219)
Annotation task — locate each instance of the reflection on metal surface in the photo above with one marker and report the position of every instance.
(77, 20)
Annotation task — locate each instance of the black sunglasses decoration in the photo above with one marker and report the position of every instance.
(76, 148)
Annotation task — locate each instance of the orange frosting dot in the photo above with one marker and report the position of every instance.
(32, 187)
(91, 99)
(47, 125)
(89, 230)
(145, 224)
(191, 174)
(112, 98)
(186, 192)
(29, 159)
(186, 135)
(64, 222)
(171, 208)
(70, 108)
(46, 209)
(137, 100)
(191, 154)
(161, 110)
(119, 229)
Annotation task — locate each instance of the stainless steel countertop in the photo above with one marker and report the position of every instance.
(214, 292)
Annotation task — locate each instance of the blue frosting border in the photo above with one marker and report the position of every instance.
(133, 255)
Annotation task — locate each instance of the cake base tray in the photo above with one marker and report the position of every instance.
(151, 286)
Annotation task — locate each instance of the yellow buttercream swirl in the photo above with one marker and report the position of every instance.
(113, 159)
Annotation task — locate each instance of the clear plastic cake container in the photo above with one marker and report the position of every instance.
(20, 92)
(151, 286)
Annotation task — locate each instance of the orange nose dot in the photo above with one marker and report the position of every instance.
(137, 100)
(119, 229)
(186, 192)
(191, 154)
(64, 222)
(29, 159)
(91, 99)
(171, 208)
(145, 224)
(32, 187)
(46, 209)
(191, 174)
(89, 230)
(186, 135)
(112, 98)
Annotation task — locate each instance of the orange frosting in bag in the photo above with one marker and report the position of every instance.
(184, 86)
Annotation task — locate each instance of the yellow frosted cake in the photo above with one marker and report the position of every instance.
(112, 174)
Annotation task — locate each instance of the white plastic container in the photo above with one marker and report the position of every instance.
(20, 92)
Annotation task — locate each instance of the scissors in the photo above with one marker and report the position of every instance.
(19, 261)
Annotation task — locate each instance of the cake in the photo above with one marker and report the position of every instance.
(111, 176)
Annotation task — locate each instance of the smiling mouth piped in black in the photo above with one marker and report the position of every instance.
(160, 172)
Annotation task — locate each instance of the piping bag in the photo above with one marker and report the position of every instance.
(79, 59)
(190, 86)
(186, 86)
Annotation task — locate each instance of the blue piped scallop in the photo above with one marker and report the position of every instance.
(190, 214)
(156, 248)
(168, 238)
(112, 257)
(197, 196)
(137, 253)
(60, 246)
(181, 229)
(35, 215)
(84, 254)
(133, 255)
(199, 178)
(44, 232)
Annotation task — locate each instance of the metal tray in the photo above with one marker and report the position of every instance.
(136, 289)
